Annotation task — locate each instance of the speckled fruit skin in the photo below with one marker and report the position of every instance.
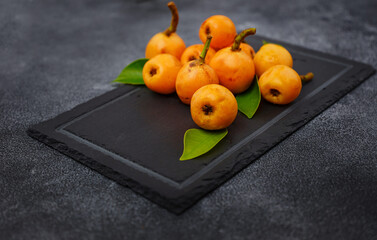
(213, 107)
(249, 50)
(161, 43)
(235, 69)
(270, 55)
(280, 84)
(160, 73)
(222, 30)
(192, 76)
(193, 52)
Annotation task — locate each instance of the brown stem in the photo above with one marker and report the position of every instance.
(174, 19)
(205, 49)
(240, 37)
(306, 78)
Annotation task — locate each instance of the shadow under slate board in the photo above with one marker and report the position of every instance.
(135, 136)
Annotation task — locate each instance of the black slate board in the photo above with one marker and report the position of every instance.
(135, 136)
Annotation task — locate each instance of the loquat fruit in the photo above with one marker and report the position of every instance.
(213, 107)
(193, 52)
(280, 84)
(160, 73)
(193, 75)
(270, 55)
(234, 67)
(222, 30)
(168, 41)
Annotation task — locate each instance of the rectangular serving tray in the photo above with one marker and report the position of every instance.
(135, 136)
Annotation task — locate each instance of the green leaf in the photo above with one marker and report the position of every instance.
(198, 141)
(248, 101)
(133, 73)
(265, 42)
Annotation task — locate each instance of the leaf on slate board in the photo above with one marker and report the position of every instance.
(199, 141)
(133, 73)
(248, 101)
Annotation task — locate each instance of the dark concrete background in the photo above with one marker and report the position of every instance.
(319, 183)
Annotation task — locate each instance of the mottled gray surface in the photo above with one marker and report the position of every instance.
(319, 183)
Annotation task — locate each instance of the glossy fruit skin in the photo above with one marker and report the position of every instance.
(213, 107)
(161, 43)
(270, 55)
(160, 73)
(192, 52)
(280, 84)
(222, 30)
(235, 69)
(248, 49)
(192, 76)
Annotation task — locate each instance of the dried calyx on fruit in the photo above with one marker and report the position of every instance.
(213, 107)
(160, 73)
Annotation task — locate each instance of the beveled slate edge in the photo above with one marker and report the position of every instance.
(246, 154)
(45, 132)
(40, 130)
(302, 49)
(229, 166)
(106, 171)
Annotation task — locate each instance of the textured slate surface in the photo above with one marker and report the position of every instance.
(133, 135)
(318, 183)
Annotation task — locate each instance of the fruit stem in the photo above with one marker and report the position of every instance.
(306, 78)
(205, 49)
(174, 19)
(240, 37)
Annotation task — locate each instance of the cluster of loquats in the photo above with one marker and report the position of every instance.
(279, 83)
(208, 76)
